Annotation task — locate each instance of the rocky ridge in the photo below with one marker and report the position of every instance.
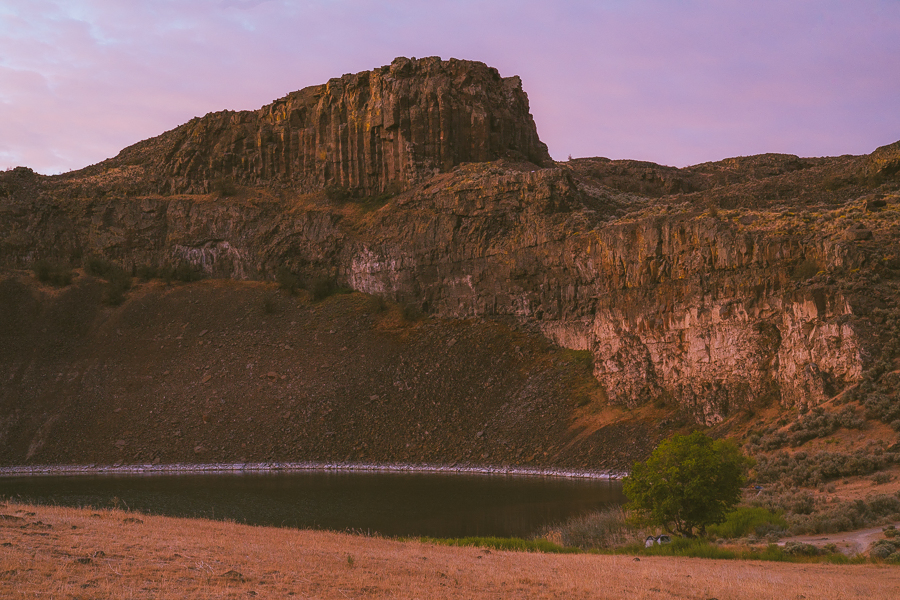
(708, 291)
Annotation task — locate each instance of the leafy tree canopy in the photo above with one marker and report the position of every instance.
(689, 482)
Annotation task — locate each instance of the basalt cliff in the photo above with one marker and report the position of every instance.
(506, 308)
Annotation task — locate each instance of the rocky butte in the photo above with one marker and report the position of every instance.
(507, 309)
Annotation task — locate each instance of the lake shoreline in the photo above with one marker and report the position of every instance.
(294, 467)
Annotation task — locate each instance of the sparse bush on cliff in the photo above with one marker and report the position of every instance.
(336, 193)
(582, 358)
(286, 280)
(184, 272)
(53, 274)
(270, 304)
(321, 287)
(223, 187)
(805, 269)
(96, 266)
(117, 280)
(146, 272)
(412, 312)
(341, 195)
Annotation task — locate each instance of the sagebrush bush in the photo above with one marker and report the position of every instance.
(884, 548)
(287, 280)
(745, 520)
(813, 469)
(146, 272)
(806, 269)
(321, 287)
(801, 549)
(186, 272)
(96, 266)
(813, 425)
(117, 280)
(270, 304)
(806, 515)
(53, 274)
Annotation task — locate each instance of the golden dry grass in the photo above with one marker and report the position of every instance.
(51, 552)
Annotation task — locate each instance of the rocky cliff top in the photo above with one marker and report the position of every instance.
(361, 133)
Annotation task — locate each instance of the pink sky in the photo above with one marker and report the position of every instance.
(674, 82)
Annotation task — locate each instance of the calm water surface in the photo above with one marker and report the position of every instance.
(392, 504)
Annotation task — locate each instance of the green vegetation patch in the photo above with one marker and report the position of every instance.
(499, 543)
(746, 520)
(698, 548)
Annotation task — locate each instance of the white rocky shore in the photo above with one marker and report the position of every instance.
(288, 467)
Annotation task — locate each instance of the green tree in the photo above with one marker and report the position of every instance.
(689, 482)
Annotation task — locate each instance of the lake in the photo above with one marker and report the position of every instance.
(391, 504)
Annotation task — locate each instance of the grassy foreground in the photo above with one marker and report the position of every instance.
(65, 553)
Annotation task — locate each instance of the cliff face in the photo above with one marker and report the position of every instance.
(701, 312)
(363, 134)
(710, 290)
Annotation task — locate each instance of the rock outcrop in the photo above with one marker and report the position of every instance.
(362, 134)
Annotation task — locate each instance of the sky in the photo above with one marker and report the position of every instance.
(677, 82)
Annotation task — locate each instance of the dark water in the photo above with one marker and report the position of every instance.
(441, 505)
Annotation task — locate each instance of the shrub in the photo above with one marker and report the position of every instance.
(516, 544)
(581, 358)
(883, 406)
(749, 519)
(880, 478)
(117, 280)
(801, 549)
(98, 267)
(805, 515)
(805, 269)
(146, 272)
(321, 288)
(601, 529)
(223, 187)
(184, 272)
(287, 280)
(883, 548)
(336, 193)
(341, 195)
(53, 274)
(412, 312)
(270, 304)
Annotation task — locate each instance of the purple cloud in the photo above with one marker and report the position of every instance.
(672, 82)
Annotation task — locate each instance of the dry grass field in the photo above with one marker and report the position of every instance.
(64, 553)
